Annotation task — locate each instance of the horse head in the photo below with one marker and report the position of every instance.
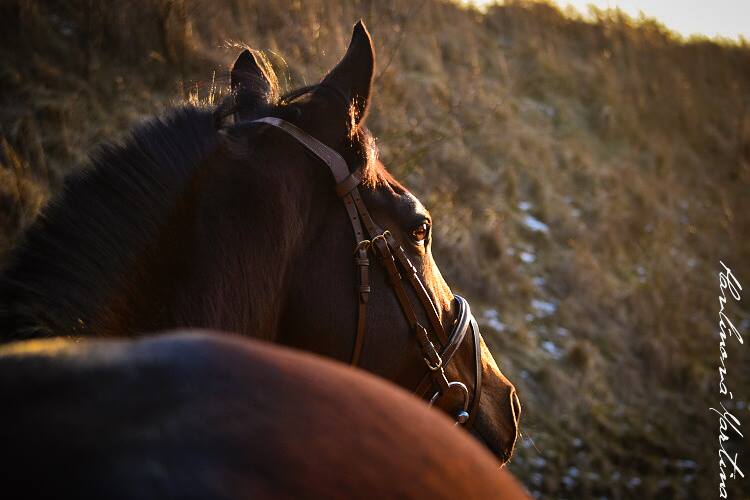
(323, 290)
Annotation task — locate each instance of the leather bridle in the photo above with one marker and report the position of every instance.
(399, 269)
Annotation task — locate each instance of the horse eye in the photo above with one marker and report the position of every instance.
(420, 232)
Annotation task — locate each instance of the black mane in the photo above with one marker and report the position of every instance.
(107, 216)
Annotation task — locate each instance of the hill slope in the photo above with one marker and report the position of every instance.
(585, 177)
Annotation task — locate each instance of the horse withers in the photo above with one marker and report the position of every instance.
(204, 415)
(228, 218)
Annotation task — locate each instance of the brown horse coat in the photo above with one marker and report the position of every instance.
(217, 416)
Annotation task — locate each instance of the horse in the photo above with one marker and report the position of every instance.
(225, 218)
(207, 415)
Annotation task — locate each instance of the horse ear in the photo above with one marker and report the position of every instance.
(352, 76)
(251, 83)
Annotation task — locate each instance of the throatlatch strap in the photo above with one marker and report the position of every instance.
(346, 184)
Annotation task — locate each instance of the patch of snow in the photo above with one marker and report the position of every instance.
(634, 482)
(543, 308)
(535, 224)
(642, 273)
(569, 482)
(492, 318)
(552, 349)
(525, 205)
(686, 464)
(527, 257)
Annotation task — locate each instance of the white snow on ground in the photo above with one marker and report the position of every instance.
(525, 205)
(552, 349)
(535, 224)
(543, 308)
(492, 318)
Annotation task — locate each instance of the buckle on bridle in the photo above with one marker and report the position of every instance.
(362, 245)
(437, 366)
(379, 237)
(383, 236)
(463, 415)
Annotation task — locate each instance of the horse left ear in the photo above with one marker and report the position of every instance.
(352, 76)
(252, 82)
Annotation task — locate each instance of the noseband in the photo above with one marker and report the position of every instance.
(398, 269)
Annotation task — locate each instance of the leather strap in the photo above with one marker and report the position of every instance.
(477, 396)
(335, 162)
(411, 274)
(346, 186)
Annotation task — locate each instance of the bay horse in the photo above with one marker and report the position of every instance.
(204, 415)
(226, 218)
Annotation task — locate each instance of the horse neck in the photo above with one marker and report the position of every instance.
(152, 240)
(86, 267)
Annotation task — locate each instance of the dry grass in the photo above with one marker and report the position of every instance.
(629, 145)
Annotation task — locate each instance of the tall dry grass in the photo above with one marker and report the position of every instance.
(585, 177)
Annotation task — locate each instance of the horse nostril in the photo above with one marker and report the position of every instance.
(515, 405)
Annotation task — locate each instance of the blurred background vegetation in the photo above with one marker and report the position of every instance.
(585, 177)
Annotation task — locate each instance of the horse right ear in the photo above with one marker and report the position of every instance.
(352, 76)
(253, 82)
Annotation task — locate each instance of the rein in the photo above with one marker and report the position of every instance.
(399, 270)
